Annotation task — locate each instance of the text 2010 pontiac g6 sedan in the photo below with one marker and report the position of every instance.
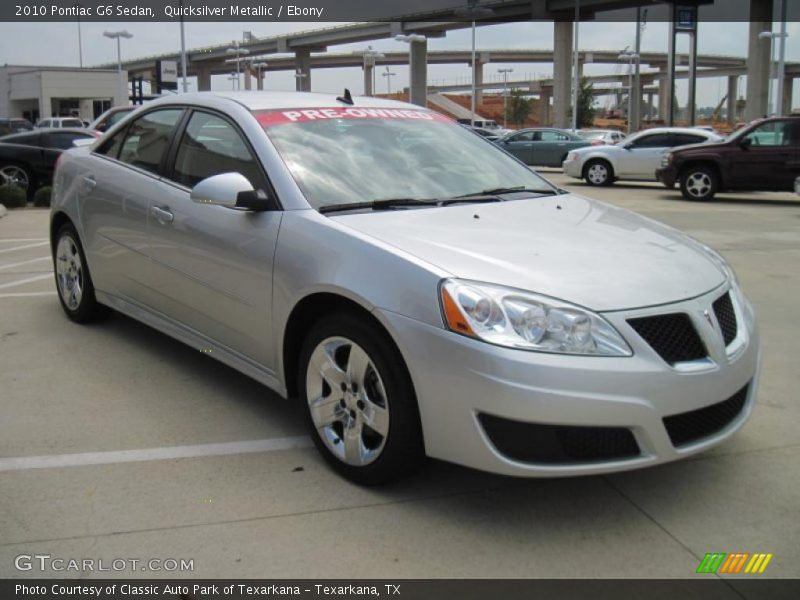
(419, 289)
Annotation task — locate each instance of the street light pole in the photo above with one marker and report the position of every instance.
(238, 51)
(388, 74)
(782, 58)
(80, 40)
(184, 82)
(575, 82)
(118, 35)
(473, 12)
(505, 73)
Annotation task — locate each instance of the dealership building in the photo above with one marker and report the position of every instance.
(34, 92)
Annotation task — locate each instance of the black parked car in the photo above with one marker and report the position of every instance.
(27, 159)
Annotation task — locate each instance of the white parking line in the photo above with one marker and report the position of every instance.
(27, 294)
(27, 280)
(15, 248)
(24, 262)
(125, 456)
(22, 240)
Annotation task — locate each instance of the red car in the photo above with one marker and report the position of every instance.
(763, 156)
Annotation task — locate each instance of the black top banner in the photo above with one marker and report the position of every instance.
(330, 11)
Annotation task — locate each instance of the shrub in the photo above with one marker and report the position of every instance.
(42, 196)
(12, 196)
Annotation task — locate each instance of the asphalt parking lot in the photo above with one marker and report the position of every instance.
(127, 444)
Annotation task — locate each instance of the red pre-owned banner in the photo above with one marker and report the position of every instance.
(304, 115)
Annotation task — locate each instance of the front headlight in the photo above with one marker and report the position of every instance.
(666, 159)
(572, 156)
(527, 321)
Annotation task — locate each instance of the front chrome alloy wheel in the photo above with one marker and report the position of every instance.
(347, 401)
(14, 176)
(69, 270)
(597, 174)
(698, 184)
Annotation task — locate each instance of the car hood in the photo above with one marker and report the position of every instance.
(569, 247)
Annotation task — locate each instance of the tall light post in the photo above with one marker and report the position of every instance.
(258, 66)
(234, 79)
(575, 83)
(79, 6)
(184, 82)
(238, 51)
(298, 75)
(388, 74)
(473, 12)
(630, 57)
(771, 36)
(118, 35)
(505, 73)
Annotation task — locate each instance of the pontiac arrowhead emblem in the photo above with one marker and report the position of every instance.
(707, 315)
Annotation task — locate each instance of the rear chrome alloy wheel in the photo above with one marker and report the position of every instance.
(347, 401)
(698, 184)
(597, 173)
(14, 176)
(69, 271)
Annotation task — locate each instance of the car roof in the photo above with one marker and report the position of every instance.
(263, 100)
(83, 130)
(693, 130)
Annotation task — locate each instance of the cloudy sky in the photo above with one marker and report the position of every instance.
(57, 44)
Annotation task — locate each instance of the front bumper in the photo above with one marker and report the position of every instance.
(667, 175)
(459, 380)
(573, 168)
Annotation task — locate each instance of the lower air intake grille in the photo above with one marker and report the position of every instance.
(673, 336)
(686, 428)
(723, 309)
(558, 444)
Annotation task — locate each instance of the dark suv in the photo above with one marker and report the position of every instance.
(764, 156)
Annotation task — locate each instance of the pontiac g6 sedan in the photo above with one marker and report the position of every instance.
(418, 289)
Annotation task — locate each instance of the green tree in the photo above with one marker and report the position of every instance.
(519, 107)
(586, 104)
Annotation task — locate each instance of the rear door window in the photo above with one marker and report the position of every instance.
(682, 139)
(148, 137)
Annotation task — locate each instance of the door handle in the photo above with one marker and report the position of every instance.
(88, 183)
(162, 214)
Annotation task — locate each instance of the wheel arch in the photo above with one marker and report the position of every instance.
(57, 221)
(310, 309)
(704, 162)
(598, 157)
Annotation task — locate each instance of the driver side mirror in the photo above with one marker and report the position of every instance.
(231, 190)
(745, 143)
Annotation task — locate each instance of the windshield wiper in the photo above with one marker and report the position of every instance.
(390, 203)
(509, 190)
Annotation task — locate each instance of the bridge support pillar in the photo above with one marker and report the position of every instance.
(302, 61)
(730, 102)
(562, 73)
(203, 79)
(248, 79)
(477, 70)
(369, 69)
(758, 61)
(663, 94)
(648, 112)
(260, 80)
(786, 101)
(418, 72)
(544, 109)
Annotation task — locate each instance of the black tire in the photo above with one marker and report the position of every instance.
(29, 191)
(402, 450)
(699, 183)
(593, 171)
(87, 309)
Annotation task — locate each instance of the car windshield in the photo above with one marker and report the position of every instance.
(350, 155)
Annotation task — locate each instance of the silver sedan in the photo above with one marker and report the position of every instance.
(420, 291)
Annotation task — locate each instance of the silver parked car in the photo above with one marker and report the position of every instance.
(635, 158)
(418, 289)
